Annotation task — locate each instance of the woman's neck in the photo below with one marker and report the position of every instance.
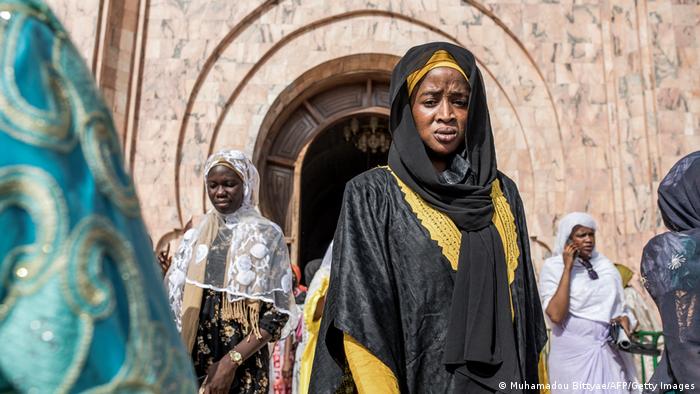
(229, 218)
(439, 162)
(439, 165)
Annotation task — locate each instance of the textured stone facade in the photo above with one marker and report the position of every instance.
(591, 101)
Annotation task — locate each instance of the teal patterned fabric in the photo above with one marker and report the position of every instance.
(82, 305)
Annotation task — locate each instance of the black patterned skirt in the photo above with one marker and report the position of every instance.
(216, 337)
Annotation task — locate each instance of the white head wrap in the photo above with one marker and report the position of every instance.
(598, 300)
(240, 163)
(244, 254)
(566, 226)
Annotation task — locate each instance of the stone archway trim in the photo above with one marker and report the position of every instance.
(324, 21)
(292, 132)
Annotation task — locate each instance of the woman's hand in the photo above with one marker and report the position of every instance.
(220, 376)
(558, 308)
(624, 321)
(164, 259)
(570, 251)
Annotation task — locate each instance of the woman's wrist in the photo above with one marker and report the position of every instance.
(228, 364)
(568, 268)
(235, 357)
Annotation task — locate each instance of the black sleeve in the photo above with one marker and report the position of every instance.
(272, 321)
(530, 329)
(670, 266)
(361, 299)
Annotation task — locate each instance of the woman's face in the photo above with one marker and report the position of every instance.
(584, 239)
(225, 189)
(439, 107)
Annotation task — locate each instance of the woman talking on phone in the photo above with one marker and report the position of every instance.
(582, 296)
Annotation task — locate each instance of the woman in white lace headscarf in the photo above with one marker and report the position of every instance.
(581, 292)
(230, 284)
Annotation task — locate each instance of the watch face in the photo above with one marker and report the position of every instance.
(236, 356)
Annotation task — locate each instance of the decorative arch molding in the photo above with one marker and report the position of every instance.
(265, 7)
(122, 27)
(317, 100)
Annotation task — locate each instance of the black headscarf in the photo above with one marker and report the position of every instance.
(679, 194)
(480, 340)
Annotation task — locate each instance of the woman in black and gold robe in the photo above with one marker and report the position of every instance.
(432, 288)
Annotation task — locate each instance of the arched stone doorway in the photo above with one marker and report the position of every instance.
(307, 119)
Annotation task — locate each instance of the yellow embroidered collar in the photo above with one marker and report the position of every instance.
(445, 233)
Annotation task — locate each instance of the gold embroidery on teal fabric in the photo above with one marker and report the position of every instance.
(101, 149)
(26, 267)
(93, 243)
(54, 128)
(64, 269)
(50, 128)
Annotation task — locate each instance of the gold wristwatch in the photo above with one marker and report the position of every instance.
(235, 357)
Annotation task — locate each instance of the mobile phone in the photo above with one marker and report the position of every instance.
(569, 242)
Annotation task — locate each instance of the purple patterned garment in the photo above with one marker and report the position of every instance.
(671, 273)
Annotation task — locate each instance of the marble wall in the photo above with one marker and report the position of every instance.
(116, 73)
(591, 101)
(82, 20)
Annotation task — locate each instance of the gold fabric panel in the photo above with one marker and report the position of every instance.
(369, 373)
